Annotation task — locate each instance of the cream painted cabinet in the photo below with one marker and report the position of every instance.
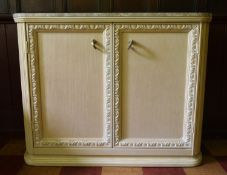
(113, 89)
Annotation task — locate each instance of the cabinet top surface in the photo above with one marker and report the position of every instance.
(112, 17)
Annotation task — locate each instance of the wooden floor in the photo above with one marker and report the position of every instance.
(12, 163)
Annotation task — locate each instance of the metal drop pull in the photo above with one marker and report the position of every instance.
(93, 43)
(130, 43)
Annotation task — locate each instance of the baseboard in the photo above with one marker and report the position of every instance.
(164, 161)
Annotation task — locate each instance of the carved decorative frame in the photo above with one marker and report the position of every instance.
(38, 140)
(186, 141)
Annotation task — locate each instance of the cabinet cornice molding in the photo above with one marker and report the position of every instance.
(112, 17)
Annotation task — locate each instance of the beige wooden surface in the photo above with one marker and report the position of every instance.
(113, 17)
(68, 86)
(24, 73)
(71, 80)
(153, 84)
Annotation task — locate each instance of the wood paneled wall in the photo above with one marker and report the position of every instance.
(10, 92)
(215, 115)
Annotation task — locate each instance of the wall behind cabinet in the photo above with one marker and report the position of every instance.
(215, 115)
(10, 92)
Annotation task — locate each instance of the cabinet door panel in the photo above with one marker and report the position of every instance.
(71, 85)
(70, 79)
(157, 82)
(153, 81)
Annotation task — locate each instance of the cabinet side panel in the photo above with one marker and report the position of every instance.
(21, 30)
(204, 30)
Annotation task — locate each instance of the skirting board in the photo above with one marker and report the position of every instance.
(164, 161)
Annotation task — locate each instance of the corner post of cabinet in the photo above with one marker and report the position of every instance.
(24, 72)
(204, 31)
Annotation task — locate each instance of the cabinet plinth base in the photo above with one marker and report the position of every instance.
(163, 161)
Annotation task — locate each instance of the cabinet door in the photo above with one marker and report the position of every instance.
(156, 67)
(70, 85)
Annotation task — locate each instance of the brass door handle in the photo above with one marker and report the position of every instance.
(93, 43)
(130, 43)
